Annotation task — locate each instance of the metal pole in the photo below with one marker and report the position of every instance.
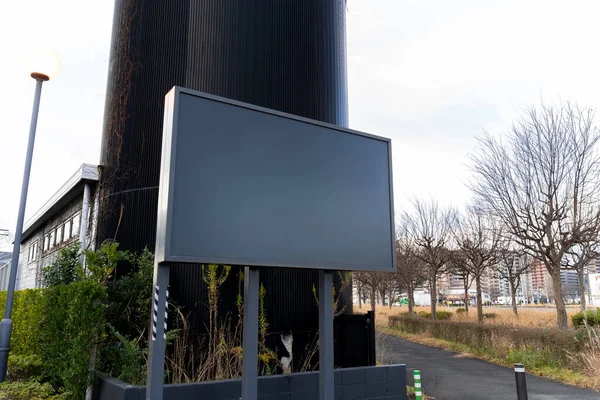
(521, 382)
(85, 215)
(156, 357)
(326, 378)
(6, 323)
(83, 227)
(250, 339)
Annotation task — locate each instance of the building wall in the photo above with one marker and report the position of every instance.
(35, 254)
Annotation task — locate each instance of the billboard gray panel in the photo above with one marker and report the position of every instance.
(250, 186)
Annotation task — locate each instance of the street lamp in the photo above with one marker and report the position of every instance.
(44, 66)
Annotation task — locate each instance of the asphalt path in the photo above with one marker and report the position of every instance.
(446, 375)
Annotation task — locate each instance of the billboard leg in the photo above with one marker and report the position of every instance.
(250, 344)
(326, 379)
(156, 356)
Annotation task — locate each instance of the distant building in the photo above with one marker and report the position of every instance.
(569, 283)
(541, 281)
(68, 216)
(594, 297)
(593, 266)
(500, 286)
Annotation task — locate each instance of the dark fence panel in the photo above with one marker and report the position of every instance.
(356, 332)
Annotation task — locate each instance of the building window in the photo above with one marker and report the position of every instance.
(67, 230)
(75, 226)
(52, 238)
(59, 234)
(46, 242)
(33, 249)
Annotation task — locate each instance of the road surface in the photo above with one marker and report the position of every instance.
(446, 375)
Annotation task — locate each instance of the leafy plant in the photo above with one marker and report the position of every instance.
(64, 269)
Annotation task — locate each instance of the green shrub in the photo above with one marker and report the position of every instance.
(25, 367)
(440, 314)
(64, 269)
(72, 327)
(27, 312)
(490, 315)
(461, 311)
(443, 315)
(591, 317)
(30, 390)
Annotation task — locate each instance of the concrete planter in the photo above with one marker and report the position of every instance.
(386, 382)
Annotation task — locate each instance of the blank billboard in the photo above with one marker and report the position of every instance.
(245, 185)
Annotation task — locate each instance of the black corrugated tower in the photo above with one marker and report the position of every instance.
(288, 55)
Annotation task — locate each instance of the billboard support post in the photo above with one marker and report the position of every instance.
(250, 333)
(326, 378)
(156, 362)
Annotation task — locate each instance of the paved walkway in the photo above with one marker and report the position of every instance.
(447, 376)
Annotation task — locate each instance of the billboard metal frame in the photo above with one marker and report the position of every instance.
(165, 213)
(163, 261)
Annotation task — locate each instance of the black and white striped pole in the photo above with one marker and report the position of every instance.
(156, 359)
(521, 382)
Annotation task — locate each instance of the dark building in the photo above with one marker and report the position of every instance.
(288, 56)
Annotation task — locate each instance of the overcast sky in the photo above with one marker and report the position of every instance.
(430, 74)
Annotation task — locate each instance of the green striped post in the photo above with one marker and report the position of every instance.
(418, 391)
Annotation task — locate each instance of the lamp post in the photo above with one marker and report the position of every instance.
(44, 67)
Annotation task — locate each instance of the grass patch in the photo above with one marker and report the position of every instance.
(410, 392)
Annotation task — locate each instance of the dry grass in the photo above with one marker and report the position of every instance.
(589, 357)
(533, 317)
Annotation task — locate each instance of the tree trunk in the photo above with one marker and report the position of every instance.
(582, 302)
(390, 298)
(382, 294)
(433, 296)
(359, 291)
(411, 299)
(513, 296)
(561, 312)
(479, 299)
(467, 299)
(373, 299)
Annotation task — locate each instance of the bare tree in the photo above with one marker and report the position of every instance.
(577, 259)
(512, 267)
(478, 238)
(371, 282)
(430, 227)
(459, 267)
(543, 184)
(359, 290)
(411, 270)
